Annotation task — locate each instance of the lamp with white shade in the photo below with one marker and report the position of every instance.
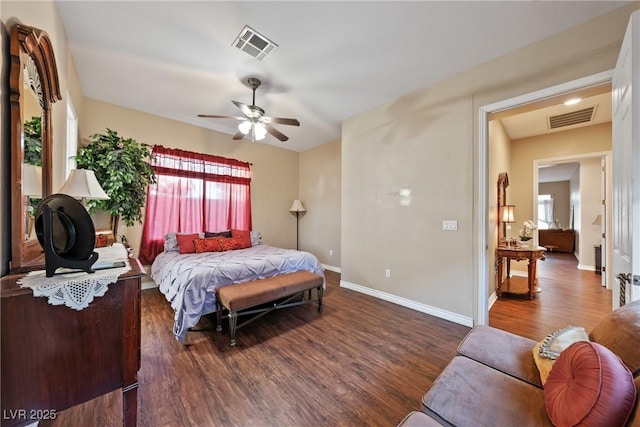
(297, 207)
(82, 184)
(507, 216)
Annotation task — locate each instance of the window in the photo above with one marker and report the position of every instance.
(72, 138)
(194, 192)
(545, 211)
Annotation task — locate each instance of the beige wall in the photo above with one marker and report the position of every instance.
(590, 205)
(581, 141)
(427, 142)
(499, 161)
(320, 189)
(561, 201)
(43, 15)
(591, 139)
(274, 172)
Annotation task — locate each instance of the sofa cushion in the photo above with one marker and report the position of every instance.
(619, 332)
(501, 350)
(418, 419)
(468, 393)
(589, 385)
(546, 351)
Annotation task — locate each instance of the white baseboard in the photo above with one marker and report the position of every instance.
(519, 273)
(492, 299)
(586, 267)
(148, 284)
(423, 308)
(331, 268)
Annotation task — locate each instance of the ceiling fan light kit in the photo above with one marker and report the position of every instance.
(254, 123)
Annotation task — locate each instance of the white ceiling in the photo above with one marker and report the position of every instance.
(558, 172)
(537, 122)
(334, 60)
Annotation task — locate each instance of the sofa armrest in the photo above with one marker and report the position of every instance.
(503, 351)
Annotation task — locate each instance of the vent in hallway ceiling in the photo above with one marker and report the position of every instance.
(573, 118)
(254, 43)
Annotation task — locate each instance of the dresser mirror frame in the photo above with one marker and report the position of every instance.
(503, 183)
(33, 68)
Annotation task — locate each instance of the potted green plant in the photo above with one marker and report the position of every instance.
(33, 141)
(122, 167)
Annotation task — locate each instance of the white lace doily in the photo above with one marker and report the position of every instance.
(77, 290)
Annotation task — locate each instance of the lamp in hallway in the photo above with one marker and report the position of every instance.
(507, 216)
(297, 207)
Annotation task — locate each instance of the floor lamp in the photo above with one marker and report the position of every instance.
(297, 207)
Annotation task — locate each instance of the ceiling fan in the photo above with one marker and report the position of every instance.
(255, 124)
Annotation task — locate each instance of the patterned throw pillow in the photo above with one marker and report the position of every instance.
(231, 243)
(547, 350)
(208, 244)
(245, 235)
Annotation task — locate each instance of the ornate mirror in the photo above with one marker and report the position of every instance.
(503, 183)
(34, 87)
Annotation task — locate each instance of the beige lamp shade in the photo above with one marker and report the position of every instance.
(508, 213)
(297, 206)
(31, 180)
(82, 184)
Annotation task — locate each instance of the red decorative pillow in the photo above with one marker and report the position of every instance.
(185, 243)
(231, 243)
(589, 385)
(208, 244)
(245, 235)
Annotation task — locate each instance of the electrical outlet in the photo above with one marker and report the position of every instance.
(387, 272)
(330, 252)
(450, 225)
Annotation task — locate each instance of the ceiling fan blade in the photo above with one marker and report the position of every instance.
(238, 136)
(244, 108)
(275, 132)
(216, 116)
(280, 120)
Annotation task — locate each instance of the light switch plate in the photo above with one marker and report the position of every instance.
(450, 225)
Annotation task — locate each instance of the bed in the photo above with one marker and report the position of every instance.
(189, 281)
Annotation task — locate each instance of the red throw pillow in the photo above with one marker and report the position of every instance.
(208, 244)
(245, 235)
(589, 385)
(231, 243)
(185, 243)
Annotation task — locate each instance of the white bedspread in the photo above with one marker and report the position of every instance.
(189, 281)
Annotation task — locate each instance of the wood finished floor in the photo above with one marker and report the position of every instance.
(569, 297)
(362, 362)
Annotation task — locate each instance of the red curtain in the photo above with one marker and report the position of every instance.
(194, 192)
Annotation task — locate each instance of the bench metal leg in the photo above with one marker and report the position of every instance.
(320, 290)
(219, 317)
(233, 319)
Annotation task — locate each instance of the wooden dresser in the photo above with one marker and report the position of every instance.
(55, 357)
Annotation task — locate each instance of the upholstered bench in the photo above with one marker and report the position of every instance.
(244, 298)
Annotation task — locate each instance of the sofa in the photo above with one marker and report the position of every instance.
(494, 380)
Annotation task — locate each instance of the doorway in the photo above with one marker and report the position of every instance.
(486, 245)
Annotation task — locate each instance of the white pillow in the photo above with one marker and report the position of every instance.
(256, 238)
(547, 350)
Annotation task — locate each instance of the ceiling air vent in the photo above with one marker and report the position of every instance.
(253, 43)
(573, 118)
